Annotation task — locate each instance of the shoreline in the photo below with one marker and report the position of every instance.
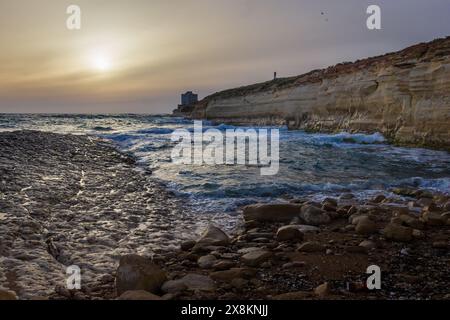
(68, 199)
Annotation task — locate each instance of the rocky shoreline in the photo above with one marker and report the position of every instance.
(68, 199)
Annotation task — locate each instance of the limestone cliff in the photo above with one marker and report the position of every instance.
(404, 95)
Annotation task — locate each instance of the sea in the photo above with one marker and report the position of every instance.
(316, 165)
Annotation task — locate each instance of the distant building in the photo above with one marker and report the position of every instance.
(189, 98)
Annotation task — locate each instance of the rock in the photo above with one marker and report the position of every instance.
(223, 265)
(198, 282)
(417, 234)
(294, 264)
(446, 206)
(7, 294)
(173, 286)
(411, 222)
(207, 261)
(187, 245)
(379, 198)
(298, 295)
(314, 216)
(440, 244)
(312, 246)
(433, 218)
(228, 275)
(247, 250)
(304, 228)
(256, 258)
(323, 290)
(271, 212)
(398, 233)
(138, 295)
(138, 273)
(213, 236)
(365, 226)
(239, 283)
(289, 233)
(368, 244)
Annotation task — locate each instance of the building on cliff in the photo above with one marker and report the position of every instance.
(188, 100)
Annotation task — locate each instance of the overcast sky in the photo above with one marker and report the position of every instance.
(137, 56)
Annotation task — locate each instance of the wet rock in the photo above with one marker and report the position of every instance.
(207, 261)
(256, 258)
(271, 212)
(440, 244)
(239, 283)
(7, 294)
(397, 232)
(311, 246)
(418, 234)
(289, 233)
(314, 216)
(346, 196)
(379, 198)
(223, 265)
(138, 295)
(138, 273)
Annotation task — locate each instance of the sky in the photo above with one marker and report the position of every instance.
(138, 56)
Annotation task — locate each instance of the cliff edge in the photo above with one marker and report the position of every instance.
(404, 95)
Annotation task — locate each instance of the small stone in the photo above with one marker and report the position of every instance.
(440, 245)
(256, 258)
(207, 261)
(138, 295)
(7, 294)
(311, 246)
(433, 218)
(323, 290)
(294, 264)
(411, 222)
(368, 244)
(198, 282)
(379, 198)
(213, 236)
(173, 286)
(289, 233)
(239, 283)
(398, 233)
(418, 234)
(228, 275)
(365, 226)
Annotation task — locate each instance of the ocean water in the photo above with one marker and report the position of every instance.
(310, 164)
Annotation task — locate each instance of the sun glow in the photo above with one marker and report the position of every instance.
(100, 61)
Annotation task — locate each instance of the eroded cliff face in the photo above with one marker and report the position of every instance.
(404, 95)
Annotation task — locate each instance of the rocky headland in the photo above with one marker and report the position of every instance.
(75, 200)
(404, 95)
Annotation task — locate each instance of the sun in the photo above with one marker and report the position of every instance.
(100, 62)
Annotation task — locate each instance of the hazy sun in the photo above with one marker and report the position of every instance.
(100, 62)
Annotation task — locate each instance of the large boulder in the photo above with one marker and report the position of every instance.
(138, 273)
(276, 212)
(314, 216)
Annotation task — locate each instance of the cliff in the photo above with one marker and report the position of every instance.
(404, 95)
